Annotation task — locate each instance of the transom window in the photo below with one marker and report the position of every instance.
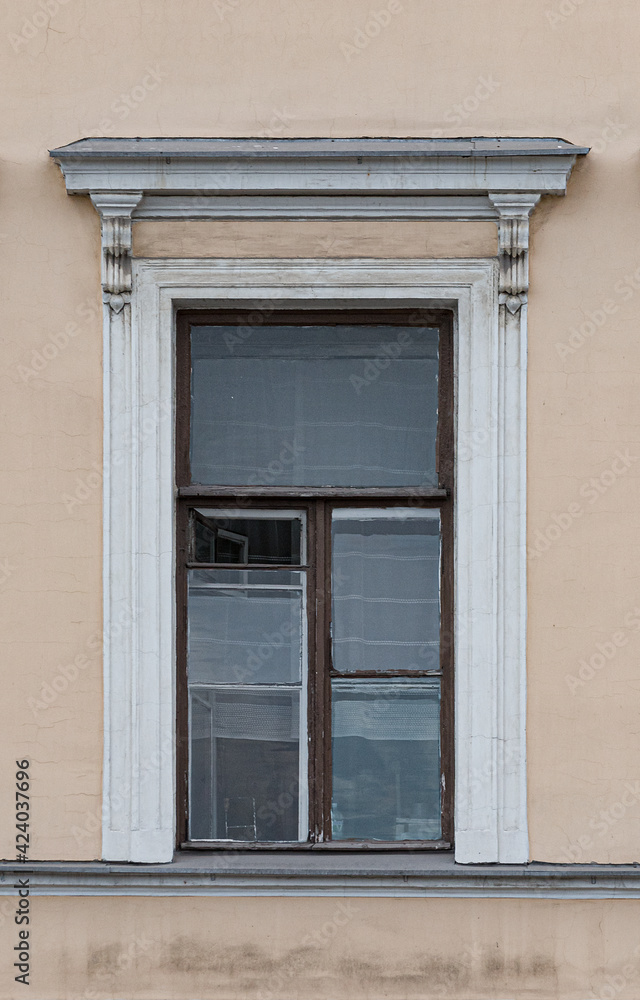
(314, 471)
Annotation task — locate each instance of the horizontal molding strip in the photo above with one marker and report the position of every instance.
(238, 206)
(539, 881)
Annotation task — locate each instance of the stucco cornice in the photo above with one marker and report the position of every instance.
(332, 178)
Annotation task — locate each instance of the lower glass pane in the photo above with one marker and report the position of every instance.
(244, 782)
(386, 760)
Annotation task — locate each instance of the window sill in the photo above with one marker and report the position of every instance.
(342, 846)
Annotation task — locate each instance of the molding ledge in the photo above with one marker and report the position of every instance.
(327, 178)
(399, 877)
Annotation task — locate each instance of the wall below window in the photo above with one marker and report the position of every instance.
(331, 949)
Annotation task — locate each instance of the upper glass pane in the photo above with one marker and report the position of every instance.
(386, 589)
(219, 538)
(314, 405)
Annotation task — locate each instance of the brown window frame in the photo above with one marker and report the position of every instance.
(318, 503)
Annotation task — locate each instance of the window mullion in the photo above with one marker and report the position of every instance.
(320, 708)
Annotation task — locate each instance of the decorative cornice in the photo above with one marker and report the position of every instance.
(116, 209)
(332, 178)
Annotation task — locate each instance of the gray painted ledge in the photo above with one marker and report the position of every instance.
(294, 148)
(323, 874)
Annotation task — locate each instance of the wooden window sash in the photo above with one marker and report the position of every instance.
(319, 502)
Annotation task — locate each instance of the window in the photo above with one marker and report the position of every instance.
(499, 180)
(314, 578)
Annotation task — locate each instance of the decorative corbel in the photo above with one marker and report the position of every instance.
(513, 247)
(116, 209)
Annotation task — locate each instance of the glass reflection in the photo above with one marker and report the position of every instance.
(314, 406)
(219, 538)
(245, 627)
(244, 765)
(386, 760)
(386, 590)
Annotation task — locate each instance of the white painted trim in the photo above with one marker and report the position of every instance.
(402, 175)
(490, 567)
(275, 206)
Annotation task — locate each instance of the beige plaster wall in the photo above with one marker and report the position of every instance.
(315, 238)
(273, 67)
(87, 948)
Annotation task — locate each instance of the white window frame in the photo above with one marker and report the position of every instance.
(490, 564)
(462, 179)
